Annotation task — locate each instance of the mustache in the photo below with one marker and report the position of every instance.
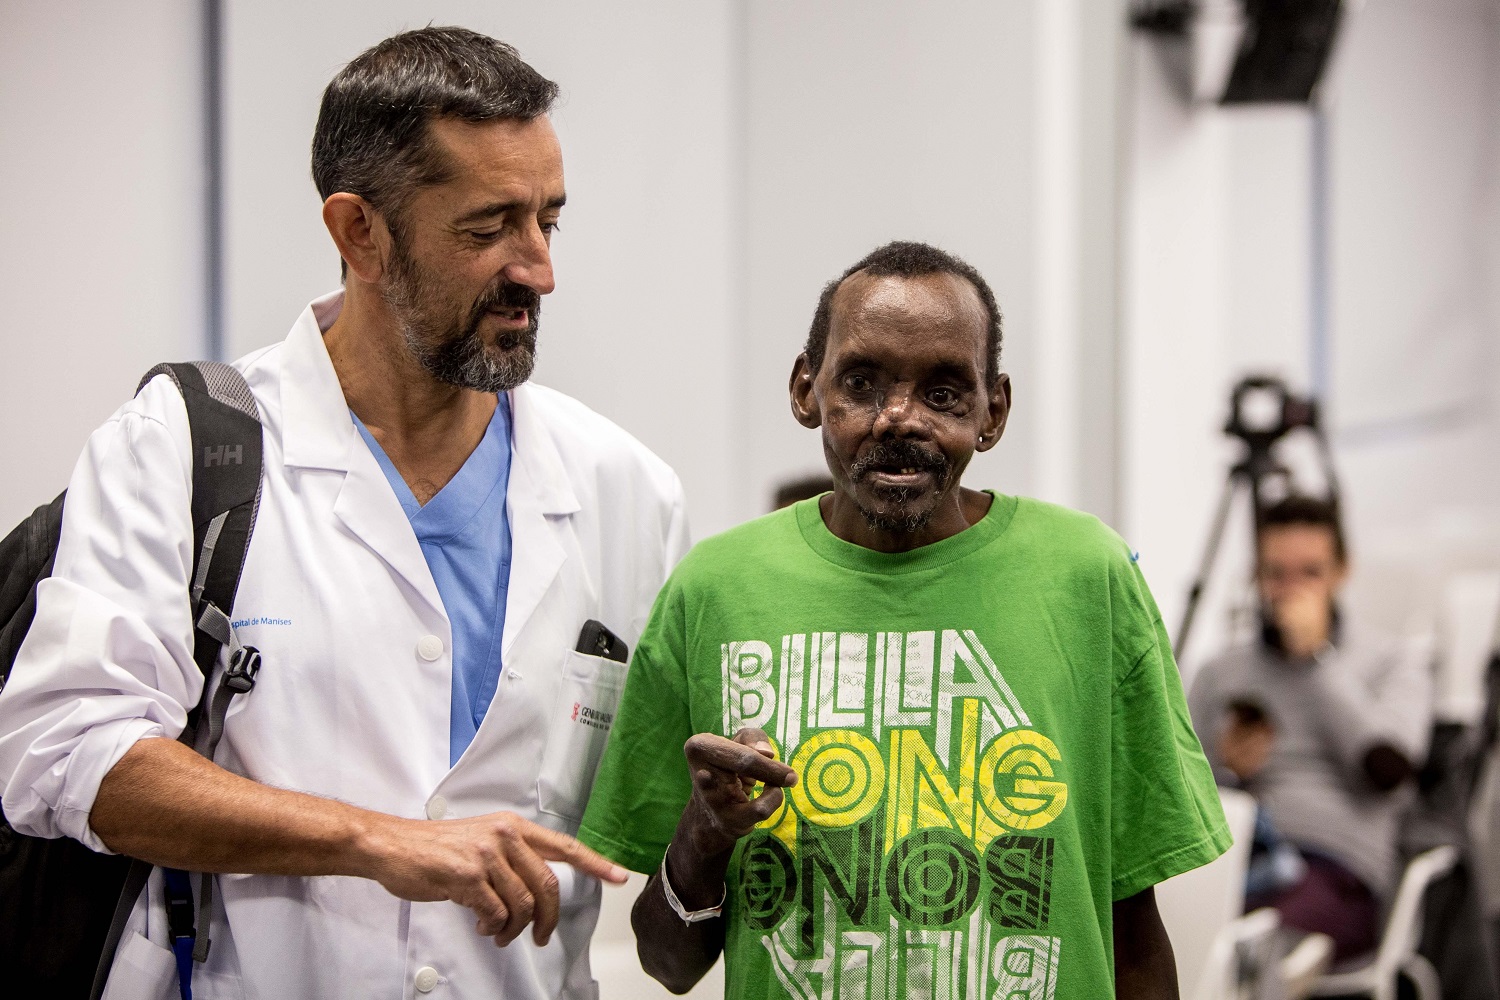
(509, 295)
(899, 454)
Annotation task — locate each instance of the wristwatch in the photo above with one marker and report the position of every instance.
(689, 916)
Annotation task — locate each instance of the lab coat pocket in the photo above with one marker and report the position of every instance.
(581, 719)
(141, 971)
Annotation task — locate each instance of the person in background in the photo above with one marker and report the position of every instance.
(805, 488)
(976, 757)
(390, 810)
(1323, 726)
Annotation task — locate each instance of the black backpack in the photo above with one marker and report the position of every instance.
(63, 906)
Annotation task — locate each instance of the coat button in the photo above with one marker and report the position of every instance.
(429, 647)
(426, 979)
(437, 807)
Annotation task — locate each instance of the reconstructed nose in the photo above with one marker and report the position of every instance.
(897, 413)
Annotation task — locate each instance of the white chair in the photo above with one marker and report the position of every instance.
(1397, 953)
(1305, 964)
(1197, 906)
(1243, 949)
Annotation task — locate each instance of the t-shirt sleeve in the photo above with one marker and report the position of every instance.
(643, 781)
(1165, 812)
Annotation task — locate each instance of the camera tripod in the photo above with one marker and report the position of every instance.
(1250, 475)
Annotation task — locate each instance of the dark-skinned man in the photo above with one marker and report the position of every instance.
(1322, 725)
(959, 708)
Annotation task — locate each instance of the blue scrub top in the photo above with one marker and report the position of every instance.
(465, 537)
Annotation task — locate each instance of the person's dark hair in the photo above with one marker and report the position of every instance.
(904, 259)
(372, 137)
(801, 488)
(1299, 509)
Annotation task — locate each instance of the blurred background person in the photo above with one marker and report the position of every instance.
(801, 488)
(1323, 726)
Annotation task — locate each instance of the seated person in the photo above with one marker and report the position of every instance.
(1322, 726)
(987, 757)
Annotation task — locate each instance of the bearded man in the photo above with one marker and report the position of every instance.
(445, 568)
(962, 707)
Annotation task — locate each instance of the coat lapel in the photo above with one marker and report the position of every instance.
(539, 500)
(369, 509)
(318, 433)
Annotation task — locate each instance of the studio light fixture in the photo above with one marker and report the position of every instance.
(1243, 51)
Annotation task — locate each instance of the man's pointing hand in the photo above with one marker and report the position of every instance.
(495, 864)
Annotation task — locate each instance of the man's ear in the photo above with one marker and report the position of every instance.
(360, 234)
(804, 402)
(998, 413)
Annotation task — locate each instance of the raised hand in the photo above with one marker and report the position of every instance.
(725, 773)
(723, 808)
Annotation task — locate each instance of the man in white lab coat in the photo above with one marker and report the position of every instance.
(393, 805)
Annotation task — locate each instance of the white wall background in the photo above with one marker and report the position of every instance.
(1215, 279)
(1416, 295)
(100, 233)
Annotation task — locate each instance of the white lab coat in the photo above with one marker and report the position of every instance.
(351, 703)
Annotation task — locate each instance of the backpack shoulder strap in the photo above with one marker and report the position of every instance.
(226, 492)
(227, 460)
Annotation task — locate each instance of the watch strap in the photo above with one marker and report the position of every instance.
(684, 914)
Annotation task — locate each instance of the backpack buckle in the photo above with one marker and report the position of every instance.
(244, 664)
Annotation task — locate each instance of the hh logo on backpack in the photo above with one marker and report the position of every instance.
(223, 455)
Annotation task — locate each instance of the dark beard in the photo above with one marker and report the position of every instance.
(454, 353)
(463, 360)
(898, 454)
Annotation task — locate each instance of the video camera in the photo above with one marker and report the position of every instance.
(1262, 410)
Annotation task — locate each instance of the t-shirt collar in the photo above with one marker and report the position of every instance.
(856, 557)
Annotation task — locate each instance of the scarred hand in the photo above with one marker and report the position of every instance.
(725, 773)
(496, 865)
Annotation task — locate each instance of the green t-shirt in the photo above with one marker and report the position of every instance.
(990, 737)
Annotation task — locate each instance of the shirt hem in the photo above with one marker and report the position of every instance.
(1184, 859)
